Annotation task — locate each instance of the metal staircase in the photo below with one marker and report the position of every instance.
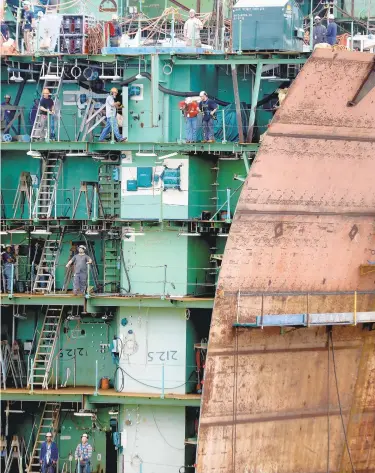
(47, 192)
(49, 258)
(45, 350)
(52, 75)
(49, 422)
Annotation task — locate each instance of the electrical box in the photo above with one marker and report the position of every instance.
(73, 33)
(267, 25)
(144, 177)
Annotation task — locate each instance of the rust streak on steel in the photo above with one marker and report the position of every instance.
(305, 223)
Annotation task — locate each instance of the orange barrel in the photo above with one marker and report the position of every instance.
(104, 383)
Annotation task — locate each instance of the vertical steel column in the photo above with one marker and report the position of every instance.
(254, 102)
(125, 112)
(237, 103)
(154, 90)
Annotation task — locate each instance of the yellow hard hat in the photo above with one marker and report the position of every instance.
(114, 89)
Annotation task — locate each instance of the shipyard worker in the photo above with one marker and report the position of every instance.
(192, 30)
(28, 23)
(319, 32)
(8, 114)
(47, 107)
(8, 259)
(191, 111)
(208, 108)
(83, 455)
(115, 32)
(331, 30)
(80, 261)
(49, 455)
(111, 106)
(4, 31)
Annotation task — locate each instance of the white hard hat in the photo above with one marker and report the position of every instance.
(192, 10)
(82, 246)
(202, 93)
(331, 16)
(84, 435)
(7, 96)
(114, 17)
(48, 434)
(317, 17)
(188, 100)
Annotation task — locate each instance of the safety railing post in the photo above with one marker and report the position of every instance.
(96, 378)
(11, 281)
(240, 38)
(95, 210)
(172, 29)
(162, 381)
(48, 128)
(181, 118)
(228, 219)
(224, 130)
(88, 282)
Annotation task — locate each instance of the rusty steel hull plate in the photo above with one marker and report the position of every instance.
(304, 224)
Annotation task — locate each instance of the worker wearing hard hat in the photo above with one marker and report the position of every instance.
(83, 455)
(28, 25)
(192, 30)
(49, 455)
(80, 261)
(8, 114)
(331, 30)
(111, 106)
(319, 31)
(208, 109)
(8, 259)
(47, 112)
(115, 31)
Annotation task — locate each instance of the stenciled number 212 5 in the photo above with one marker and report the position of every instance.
(162, 355)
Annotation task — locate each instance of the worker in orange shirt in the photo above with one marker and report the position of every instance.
(190, 110)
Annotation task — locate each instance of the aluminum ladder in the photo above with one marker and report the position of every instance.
(47, 192)
(53, 81)
(14, 454)
(45, 276)
(49, 422)
(44, 354)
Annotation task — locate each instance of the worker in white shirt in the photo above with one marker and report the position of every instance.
(192, 30)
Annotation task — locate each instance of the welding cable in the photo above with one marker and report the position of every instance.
(126, 271)
(123, 373)
(339, 402)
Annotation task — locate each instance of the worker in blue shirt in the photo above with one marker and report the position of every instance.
(4, 31)
(28, 23)
(8, 114)
(208, 109)
(8, 259)
(49, 455)
(331, 30)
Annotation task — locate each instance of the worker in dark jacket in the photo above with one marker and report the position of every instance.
(331, 30)
(49, 455)
(320, 32)
(208, 109)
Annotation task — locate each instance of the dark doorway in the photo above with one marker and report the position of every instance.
(111, 454)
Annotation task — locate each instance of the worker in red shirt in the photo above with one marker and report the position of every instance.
(190, 110)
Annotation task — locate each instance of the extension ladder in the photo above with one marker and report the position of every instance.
(47, 192)
(45, 350)
(44, 278)
(49, 422)
(53, 81)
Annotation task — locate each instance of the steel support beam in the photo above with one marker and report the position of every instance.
(96, 302)
(254, 102)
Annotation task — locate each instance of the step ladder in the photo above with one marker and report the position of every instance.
(44, 278)
(94, 205)
(52, 75)
(47, 192)
(23, 194)
(110, 190)
(44, 354)
(49, 422)
(14, 454)
(10, 363)
(93, 117)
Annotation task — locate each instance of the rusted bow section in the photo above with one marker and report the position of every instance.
(283, 400)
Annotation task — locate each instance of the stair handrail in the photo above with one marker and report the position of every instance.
(51, 358)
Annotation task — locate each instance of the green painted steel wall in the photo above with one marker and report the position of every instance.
(201, 185)
(161, 262)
